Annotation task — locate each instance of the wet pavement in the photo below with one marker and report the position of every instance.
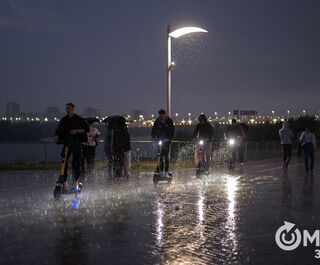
(226, 218)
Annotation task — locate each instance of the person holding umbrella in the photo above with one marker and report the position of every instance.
(117, 143)
(89, 147)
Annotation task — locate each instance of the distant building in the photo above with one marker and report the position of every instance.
(12, 108)
(138, 114)
(91, 112)
(52, 112)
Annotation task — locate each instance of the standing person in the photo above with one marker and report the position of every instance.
(115, 146)
(299, 144)
(286, 137)
(308, 143)
(127, 153)
(89, 147)
(71, 132)
(108, 148)
(204, 132)
(163, 130)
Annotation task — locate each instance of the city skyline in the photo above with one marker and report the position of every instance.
(51, 112)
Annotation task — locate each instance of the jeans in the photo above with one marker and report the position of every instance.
(164, 156)
(88, 155)
(308, 155)
(203, 154)
(75, 150)
(287, 152)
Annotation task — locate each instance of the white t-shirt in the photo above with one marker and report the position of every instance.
(91, 136)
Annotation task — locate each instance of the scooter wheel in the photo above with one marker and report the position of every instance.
(57, 192)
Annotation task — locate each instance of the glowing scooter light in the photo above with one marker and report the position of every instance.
(232, 142)
(201, 142)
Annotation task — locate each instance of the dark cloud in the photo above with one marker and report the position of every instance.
(112, 54)
(20, 15)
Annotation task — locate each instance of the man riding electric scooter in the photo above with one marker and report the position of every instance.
(163, 132)
(71, 132)
(234, 136)
(203, 134)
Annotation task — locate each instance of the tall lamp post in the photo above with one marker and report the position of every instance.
(175, 34)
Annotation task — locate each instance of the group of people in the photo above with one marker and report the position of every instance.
(307, 141)
(80, 137)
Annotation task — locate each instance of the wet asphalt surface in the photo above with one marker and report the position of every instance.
(226, 218)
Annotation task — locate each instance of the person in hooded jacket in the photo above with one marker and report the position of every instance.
(204, 132)
(286, 137)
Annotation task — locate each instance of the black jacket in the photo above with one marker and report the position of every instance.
(234, 131)
(117, 140)
(203, 131)
(68, 124)
(163, 130)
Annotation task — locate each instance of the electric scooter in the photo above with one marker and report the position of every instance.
(158, 176)
(61, 188)
(203, 165)
(233, 156)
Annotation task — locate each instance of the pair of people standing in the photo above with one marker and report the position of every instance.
(307, 141)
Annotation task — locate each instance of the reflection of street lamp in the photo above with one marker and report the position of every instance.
(176, 34)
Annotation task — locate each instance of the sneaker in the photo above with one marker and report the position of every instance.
(166, 175)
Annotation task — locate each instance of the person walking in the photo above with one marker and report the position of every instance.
(308, 143)
(286, 137)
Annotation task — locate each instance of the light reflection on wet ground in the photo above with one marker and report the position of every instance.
(223, 219)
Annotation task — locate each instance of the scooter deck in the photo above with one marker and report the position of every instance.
(59, 190)
(158, 178)
(71, 191)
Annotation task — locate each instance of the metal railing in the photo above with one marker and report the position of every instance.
(45, 151)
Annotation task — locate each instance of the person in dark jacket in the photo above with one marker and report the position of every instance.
(163, 130)
(117, 142)
(236, 131)
(127, 153)
(71, 132)
(309, 145)
(203, 132)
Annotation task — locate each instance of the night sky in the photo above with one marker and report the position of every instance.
(111, 55)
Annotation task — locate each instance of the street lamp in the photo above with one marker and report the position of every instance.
(175, 34)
